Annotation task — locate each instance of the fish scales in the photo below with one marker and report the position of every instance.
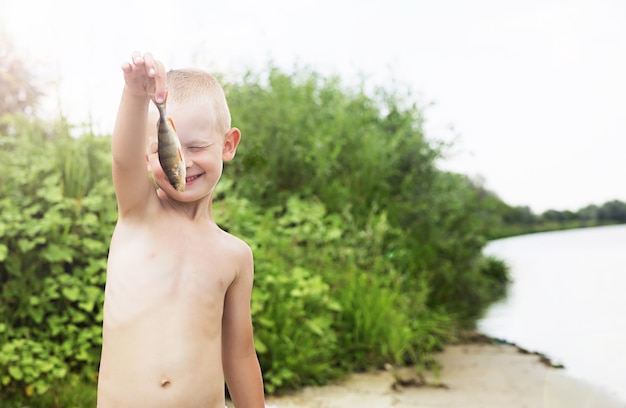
(169, 150)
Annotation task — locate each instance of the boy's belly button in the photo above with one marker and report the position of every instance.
(165, 382)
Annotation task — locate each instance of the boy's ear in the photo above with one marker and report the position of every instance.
(231, 141)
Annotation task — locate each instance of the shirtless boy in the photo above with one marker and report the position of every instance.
(177, 321)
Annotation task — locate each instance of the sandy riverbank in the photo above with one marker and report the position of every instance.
(472, 375)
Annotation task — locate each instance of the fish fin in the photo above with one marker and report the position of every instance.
(171, 123)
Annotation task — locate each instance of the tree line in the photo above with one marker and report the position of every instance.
(516, 220)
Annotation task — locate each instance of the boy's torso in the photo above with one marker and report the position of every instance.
(164, 298)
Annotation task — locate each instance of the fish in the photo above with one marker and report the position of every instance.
(169, 149)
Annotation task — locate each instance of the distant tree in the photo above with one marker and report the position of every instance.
(613, 211)
(519, 215)
(589, 213)
(552, 215)
(18, 91)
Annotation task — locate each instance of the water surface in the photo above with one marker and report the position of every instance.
(567, 300)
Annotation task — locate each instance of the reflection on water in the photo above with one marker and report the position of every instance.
(567, 301)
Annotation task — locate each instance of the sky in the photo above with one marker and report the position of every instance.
(531, 93)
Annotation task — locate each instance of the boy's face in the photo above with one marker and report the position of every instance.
(204, 151)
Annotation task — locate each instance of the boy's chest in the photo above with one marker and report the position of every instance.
(170, 262)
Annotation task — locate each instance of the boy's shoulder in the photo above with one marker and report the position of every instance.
(233, 242)
(238, 251)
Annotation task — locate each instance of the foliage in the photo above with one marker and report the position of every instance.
(365, 252)
(366, 156)
(304, 134)
(54, 233)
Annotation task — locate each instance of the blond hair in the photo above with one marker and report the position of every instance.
(194, 86)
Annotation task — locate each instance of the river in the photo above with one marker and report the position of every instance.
(567, 301)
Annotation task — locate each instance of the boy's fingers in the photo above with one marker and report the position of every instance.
(145, 64)
(126, 67)
(159, 81)
(137, 58)
(149, 63)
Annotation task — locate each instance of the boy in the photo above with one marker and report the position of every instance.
(177, 318)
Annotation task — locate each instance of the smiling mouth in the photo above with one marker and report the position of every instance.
(191, 179)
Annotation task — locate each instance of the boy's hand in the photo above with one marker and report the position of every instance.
(145, 76)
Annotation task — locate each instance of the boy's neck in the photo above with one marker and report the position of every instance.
(194, 211)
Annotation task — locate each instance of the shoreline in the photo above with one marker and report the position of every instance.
(483, 372)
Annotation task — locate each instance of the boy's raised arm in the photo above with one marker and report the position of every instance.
(144, 80)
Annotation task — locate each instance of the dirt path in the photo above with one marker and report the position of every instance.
(475, 375)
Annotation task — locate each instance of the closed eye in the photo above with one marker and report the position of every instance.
(197, 148)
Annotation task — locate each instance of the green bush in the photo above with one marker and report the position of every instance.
(30, 364)
(292, 305)
(293, 327)
(365, 252)
(371, 327)
(54, 234)
(362, 157)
